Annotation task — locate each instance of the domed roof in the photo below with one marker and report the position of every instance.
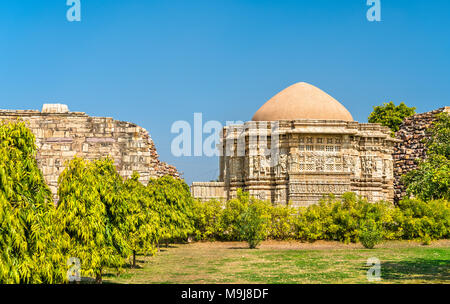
(302, 101)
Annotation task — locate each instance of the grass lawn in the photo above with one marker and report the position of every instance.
(290, 262)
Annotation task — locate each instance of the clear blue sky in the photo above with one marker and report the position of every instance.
(155, 62)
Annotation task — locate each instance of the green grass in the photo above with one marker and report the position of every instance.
(289, 263)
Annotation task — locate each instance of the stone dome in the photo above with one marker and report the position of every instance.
(302, 101)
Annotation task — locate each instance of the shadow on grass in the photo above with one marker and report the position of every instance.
(163, 248)
(419, 269)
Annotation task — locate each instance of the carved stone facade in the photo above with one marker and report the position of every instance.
(300, 161)
(61, 135)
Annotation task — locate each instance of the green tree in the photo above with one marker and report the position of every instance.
(253, 223)
(143, 222)
(439, 141)
(207, 219)
(93, 211)
(175, 205)
(32, 247)
(390, 115)
(431, 179)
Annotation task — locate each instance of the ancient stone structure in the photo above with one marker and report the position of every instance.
(412, 137)
(61, 135)
(300, 146)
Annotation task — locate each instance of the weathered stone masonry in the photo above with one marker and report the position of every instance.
(61, 135)
(412, 136)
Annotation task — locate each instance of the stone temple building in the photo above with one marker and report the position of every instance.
(62, 134)
(301, 145)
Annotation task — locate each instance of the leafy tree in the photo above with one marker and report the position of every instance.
(142, 220)
(431, 179)
(282, 224)
(390, 115)
(207, 219)
(230, 215)
(175, 205)
(93, 211)
(253, 223)
(32, 249)
(439, 141)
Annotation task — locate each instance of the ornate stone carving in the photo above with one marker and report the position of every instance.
(314, 168)
(281, 167)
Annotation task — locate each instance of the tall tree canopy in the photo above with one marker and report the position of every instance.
(32, 247)
(143, 221)
(93, 210)
(390, 115)
(174, 205)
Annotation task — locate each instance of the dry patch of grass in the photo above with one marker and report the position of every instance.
(290, 262)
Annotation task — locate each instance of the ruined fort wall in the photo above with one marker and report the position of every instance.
(413, 136)
(61, 136)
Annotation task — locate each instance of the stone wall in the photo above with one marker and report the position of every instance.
(61, 135)
(206, 191)
(412, 135)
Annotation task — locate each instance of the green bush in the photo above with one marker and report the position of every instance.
(282, 222)
(370, 234)
(335, 219)
(253, 223)
(418, 219)
(207, 220)
(341, 219)
(228, 221)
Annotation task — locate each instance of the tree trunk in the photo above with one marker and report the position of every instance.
(134, 259)
(98, 278)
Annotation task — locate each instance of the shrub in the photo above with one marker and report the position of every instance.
(340, 219)
(418, 219)
(426, 240)
(230, 216)
(207, 219)
(345, 220)
(282, 222)
(371, 234)
(253, 223)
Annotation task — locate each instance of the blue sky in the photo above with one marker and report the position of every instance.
(155, 62)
